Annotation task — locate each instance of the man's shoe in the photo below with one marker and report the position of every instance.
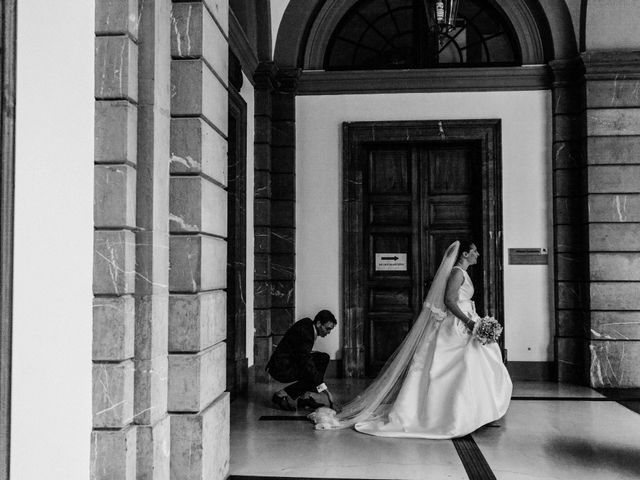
(310, 403)
(282, 403)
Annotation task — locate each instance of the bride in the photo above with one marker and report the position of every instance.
(441, 382)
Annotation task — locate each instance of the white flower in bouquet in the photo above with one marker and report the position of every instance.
(487, 330)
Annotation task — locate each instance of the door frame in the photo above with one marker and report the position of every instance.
(356, 137)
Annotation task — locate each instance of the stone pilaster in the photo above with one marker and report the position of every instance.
(283, 197)
(613, 188)
(113, 445)
(197, 402)
(265, 83)
(152, 241)
(570, 221)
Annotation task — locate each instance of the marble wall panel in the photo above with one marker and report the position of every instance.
(197, 92)
(613, 121)
(116, 68)
(572, 238)
(262, 294)
(113, 262)
(112, 394)
(153, 444)
(152, 260)
(262, 184)
(117, 17)
(283, 240)
(263, 237)
(283, 267)
(195, 34)
(573, 323)
(613, 150)
(567, 127)
(568, 154)
(610, 208)
(150, 402)
(614, 179)
(113, 454)
(200, 443)
(197, 148)
(615, 325)
(197, 205)
(572, 266)
(262, 322)
(114, 203)
(570, 210)
(198, 321)
(614, 364)
(113, 328)
(281, 320)
(283, 213)
(569, 182)
(614, 237)
(195, 380)
(262, 350)
(262, 267)
(198, 263)
(116, 124)
(262, 151)
(284, 186)
(614, 266)
(572, 359)
(572, 295)
(615, 295)
(620, 92)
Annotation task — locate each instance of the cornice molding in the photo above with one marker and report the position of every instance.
(241, 47)
(429, 80)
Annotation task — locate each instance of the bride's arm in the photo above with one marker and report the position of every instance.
(451, 297)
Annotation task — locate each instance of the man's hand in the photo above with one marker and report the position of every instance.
(329, 398)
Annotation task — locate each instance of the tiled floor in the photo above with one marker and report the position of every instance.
(551, 431)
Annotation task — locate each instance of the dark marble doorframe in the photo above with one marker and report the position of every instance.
(355, 138)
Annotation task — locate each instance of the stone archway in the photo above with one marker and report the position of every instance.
(546, 37)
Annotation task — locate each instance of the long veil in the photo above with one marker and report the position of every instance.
(376, 400)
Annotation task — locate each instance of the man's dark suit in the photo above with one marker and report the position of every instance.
(293, 360)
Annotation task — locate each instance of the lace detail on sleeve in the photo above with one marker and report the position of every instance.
(437, 312)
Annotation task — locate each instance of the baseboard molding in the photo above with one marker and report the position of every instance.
(531, 371)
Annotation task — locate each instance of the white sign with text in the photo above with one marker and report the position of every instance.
(391, 261)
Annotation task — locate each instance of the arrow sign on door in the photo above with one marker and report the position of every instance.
(391, 261)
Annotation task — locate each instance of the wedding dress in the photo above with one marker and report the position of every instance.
(440, 383)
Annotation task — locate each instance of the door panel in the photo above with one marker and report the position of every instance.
(419, 199)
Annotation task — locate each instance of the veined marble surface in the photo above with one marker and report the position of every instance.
(537, 439)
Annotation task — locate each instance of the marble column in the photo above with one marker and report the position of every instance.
(613, 152)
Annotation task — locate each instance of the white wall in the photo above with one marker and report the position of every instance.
(51, 396)
(526, 159)
(247, 94)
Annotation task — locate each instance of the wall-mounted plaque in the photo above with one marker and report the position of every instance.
(391, 261)
(528, 256)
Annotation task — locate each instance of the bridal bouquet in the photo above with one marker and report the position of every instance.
(487, 330)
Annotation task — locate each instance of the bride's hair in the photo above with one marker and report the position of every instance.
(465, 246)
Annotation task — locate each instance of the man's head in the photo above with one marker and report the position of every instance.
(324, 322)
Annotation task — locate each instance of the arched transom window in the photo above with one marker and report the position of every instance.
(395, 34)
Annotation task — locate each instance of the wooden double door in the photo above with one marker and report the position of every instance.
(419, 199)
(405, 203)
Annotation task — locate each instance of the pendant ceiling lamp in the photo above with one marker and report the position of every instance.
(442, 14)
